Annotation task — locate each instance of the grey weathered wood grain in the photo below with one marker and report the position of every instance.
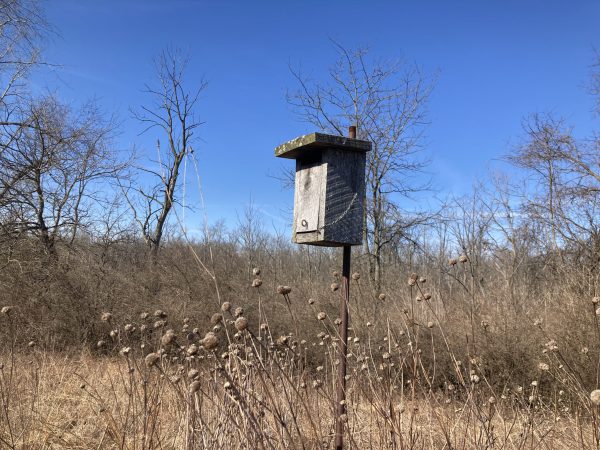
(317, 142)
(309, 201)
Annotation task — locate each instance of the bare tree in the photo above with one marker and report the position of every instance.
(386, 101)
(54, 163)
(563, 197)
(21, 29)
(173, 114)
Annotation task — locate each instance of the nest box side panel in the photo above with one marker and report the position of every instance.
(345, 196)
(309, 201)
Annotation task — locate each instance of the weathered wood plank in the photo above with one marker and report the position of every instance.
(344, 200)
(317, 142)
(310, 181)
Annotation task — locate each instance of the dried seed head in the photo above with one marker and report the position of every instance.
(225, 306)
(452, 261)
(113, 333)
(210, 341)
(192, 350)
(159, 324)
(264, 327)
(595, 397)
(335, 274)
(151, 359)
(31, 344)
(125, 351)
(193, 373)
(160, 313)
(256, 271)
(238, 311)
(317, 384)
(492, 400)
(412, 280)
(7, 309)
(129, 328)
(430, 324)
(144, 315)
(334, 287)
(382, 296)
(463, 258)
(216, 318)
(105, 317)
(241, 323)
(168, 338)
(321, 316)
(427, 296)
(596, 300)
(422, 280)
(257, 282)
(283, 290)
(282, 340)
(311, 301)
(543, 366)
(337, 321)
(194, 387)
(356, 276)
(100, 343)
(585, 350)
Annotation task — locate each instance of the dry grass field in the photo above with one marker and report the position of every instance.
(261, 374)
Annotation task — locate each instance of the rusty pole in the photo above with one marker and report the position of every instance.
(340, 407)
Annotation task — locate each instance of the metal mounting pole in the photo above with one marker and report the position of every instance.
(340, 407)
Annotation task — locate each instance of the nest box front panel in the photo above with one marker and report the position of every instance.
(309, 200)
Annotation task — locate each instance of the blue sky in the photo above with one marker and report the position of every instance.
(496, 62)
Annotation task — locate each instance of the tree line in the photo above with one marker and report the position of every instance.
(63, 183)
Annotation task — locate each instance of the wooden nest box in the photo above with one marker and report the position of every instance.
(329, 195)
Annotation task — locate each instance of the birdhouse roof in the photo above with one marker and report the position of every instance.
(319, 141)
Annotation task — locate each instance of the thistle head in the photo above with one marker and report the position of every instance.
(241, 323)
